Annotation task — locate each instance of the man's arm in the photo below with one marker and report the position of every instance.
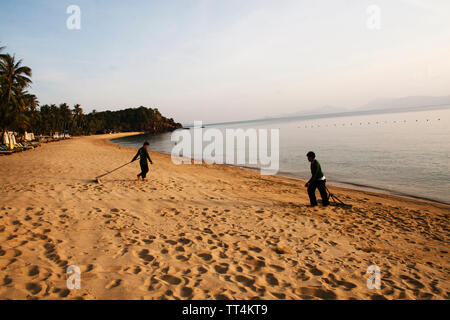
(148, 157)
(135, 157)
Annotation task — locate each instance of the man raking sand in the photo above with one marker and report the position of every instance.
(317, 181)
(144, 156)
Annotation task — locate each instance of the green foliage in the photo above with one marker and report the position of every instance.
(19, 110)
(52, 118)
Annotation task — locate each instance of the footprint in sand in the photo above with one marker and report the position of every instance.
(255, 249)
(277, 268)
(222, 268)
(33, 288)
(144, 255)
(184, 241)
(34, 270)
(310, 293)
(186, 292)
(171, 279)
(271, 279)
(245, 280)
(314, 270)
(64, 293)
(202, 270)
(205, 256)
(416, 284)
(279, 295)
(137, 270)
(7, 280)
(182, 258)
(221, 296)
(113, 284)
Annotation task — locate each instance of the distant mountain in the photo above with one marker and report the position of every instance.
(379, 104)
(406, 102)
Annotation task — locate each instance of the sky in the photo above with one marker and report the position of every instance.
(226, 60)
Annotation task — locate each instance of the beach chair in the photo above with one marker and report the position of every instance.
(28, 145)
(4, 150)
(22, 145)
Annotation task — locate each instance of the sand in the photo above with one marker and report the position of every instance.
(204, 232)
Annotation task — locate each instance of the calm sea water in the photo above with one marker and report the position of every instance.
(402, 152)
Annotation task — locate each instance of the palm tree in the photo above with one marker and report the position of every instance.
(14, 79)
(65, 117)
(13, 76)
(77, 119)
(1, 49)
(31, 101)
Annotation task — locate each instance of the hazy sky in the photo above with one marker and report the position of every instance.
(221, 60)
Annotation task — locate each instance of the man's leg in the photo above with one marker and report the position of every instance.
(323, 192)
(312, 193)
(144, 168)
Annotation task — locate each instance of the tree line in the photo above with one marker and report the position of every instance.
(20, 110)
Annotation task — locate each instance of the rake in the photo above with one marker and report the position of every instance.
(336, 200)
(97, 179)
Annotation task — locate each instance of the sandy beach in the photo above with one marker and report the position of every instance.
(204, 232)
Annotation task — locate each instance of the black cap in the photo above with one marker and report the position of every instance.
(146, 143)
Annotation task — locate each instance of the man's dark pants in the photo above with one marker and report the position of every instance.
(321, 185)
(144, 169)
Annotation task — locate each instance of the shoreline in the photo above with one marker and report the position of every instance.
(204, 232)
(337, 184)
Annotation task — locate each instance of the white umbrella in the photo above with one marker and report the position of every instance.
(5, 139)
(12, 140)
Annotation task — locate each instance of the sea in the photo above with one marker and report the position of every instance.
(391, 151)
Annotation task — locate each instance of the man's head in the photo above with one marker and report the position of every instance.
(311, 156)
(146, 144)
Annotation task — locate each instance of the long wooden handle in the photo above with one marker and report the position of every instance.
(113, 170)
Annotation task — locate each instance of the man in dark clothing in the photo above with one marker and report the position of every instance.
(317, 181)
(143, 155)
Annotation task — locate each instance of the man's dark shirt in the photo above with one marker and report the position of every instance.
(143, 154)
(316, 171)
